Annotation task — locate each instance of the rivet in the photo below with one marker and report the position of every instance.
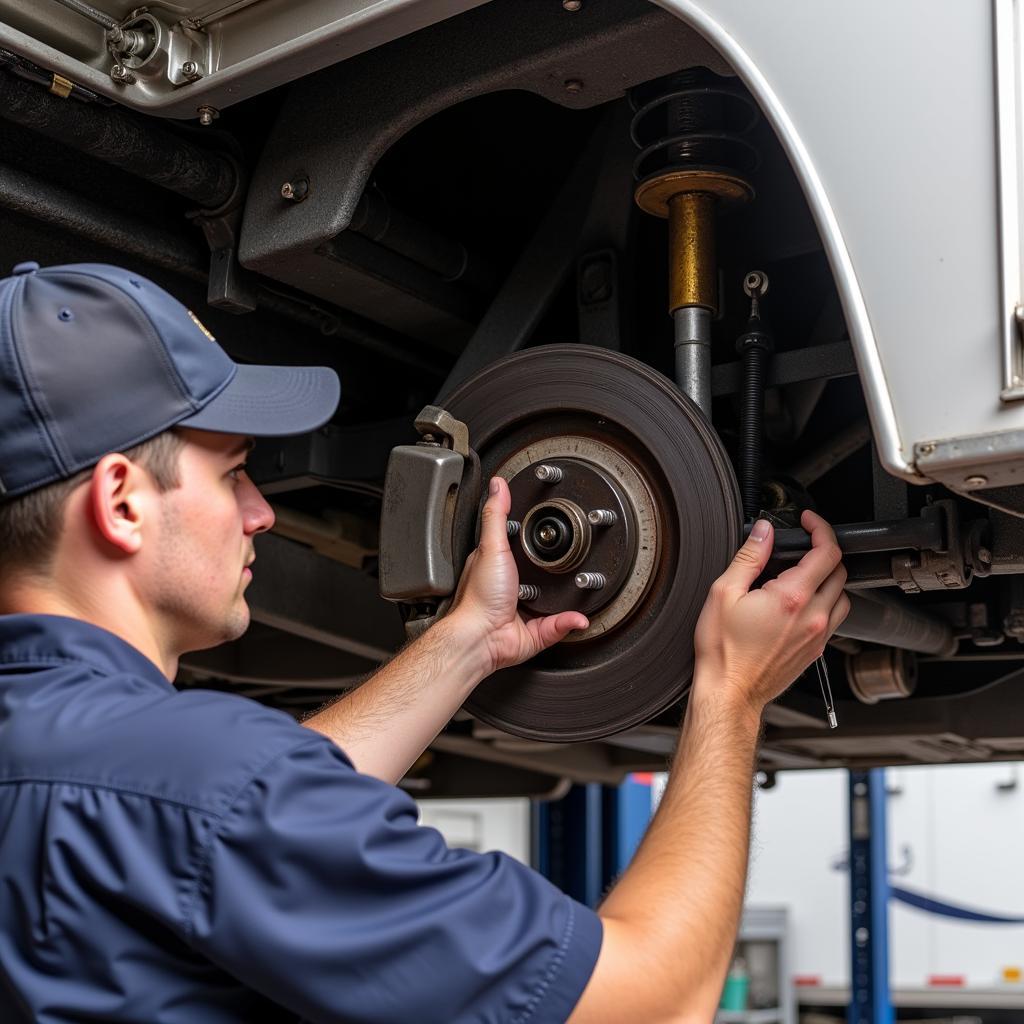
(65, 315)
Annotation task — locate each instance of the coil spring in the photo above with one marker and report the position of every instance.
(702, 120)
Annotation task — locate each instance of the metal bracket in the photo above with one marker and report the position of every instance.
(435, 420)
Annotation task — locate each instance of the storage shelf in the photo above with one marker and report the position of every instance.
(771, 1016)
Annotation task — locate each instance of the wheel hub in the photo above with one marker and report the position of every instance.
(593, 478)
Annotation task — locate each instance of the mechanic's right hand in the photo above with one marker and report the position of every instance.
(753, 644)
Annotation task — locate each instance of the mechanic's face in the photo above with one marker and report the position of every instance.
(204, 542)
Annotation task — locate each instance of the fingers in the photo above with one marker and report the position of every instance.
(750, 560)
(817, 565)
(838, 613)
(494, 518)
(552, 628)
(829, 591)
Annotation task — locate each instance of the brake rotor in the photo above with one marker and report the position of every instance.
(628, 509)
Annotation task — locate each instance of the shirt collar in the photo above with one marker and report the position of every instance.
(38, 640)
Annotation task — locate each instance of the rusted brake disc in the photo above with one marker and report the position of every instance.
(627, 508)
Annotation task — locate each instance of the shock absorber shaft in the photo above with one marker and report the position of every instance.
(692, 290)
(698, 159)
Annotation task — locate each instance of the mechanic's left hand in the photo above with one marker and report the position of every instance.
(487, 601)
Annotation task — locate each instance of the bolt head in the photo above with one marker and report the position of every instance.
(207, 115)
(288, 190)
(190, 69)
(976, 481)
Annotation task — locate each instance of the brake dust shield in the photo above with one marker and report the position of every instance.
(577, 431)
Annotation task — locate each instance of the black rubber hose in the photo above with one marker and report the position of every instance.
(118, 137)
(755, 348)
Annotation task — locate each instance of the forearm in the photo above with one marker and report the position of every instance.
(385, 724)
(681, 898)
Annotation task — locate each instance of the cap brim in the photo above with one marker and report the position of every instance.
(271, 401)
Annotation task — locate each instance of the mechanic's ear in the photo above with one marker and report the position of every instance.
(115, 494)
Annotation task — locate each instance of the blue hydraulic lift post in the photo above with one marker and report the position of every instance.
(584, 841)
(869, 901)
(633, 807)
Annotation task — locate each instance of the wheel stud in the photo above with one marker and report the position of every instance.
(513, 527)
(528, 592)
(602, 517)
(548, 474)
(590, 580)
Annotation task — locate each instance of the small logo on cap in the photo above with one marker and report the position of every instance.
(199, 323)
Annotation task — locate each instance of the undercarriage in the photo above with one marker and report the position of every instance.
(578, 234)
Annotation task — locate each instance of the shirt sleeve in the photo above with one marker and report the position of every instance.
(322, 892)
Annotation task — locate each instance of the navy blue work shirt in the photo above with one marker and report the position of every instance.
(195, 857)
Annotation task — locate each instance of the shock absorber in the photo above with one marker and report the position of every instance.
(694, 156)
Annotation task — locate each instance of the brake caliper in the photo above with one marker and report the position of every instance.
(428, 520)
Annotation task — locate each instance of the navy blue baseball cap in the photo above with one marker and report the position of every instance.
(97, 359)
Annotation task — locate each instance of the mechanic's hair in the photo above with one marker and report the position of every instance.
(30, 525)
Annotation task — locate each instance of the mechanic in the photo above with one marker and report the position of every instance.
(196, 857)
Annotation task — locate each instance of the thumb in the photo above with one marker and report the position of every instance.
(749, 562)
(493, 528)
(553, 628)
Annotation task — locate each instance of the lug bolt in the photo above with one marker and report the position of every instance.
(207, 115)
(295, 191)
(602, 517)
(190, 69)
(120, 74)
(513, 527)
(528, 592)
(590, 580)
(548, 474)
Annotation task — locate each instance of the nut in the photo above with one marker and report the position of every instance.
(295, 191)
(120, 74)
